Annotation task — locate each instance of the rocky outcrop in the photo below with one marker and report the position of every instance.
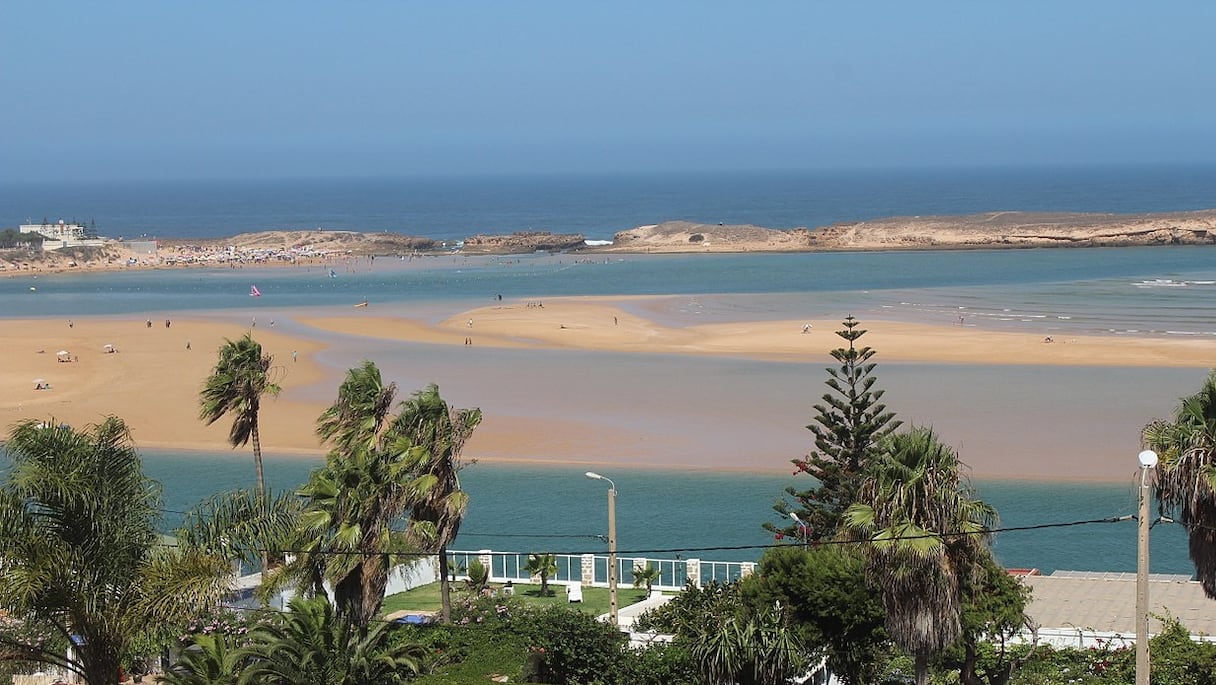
(685, 236)
(523, 242)
(1019, 229)
(989, 230)
(349, 242)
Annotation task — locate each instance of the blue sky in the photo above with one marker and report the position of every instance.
(264, 89)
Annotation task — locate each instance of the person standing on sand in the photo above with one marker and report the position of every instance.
(295, 356)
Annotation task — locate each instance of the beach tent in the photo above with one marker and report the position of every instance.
(108, 347)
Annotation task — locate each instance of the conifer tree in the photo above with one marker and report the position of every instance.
(847, 425)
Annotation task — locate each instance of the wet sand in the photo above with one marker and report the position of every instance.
(582, 380)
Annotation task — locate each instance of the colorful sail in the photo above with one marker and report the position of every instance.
(254, 292)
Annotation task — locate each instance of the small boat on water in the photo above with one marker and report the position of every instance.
(362, 304)
(254, 292)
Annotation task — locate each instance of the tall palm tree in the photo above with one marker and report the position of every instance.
(923, 534)
(236, 385)
(437, 434)
(1186, 478)
(357, 503)
(80, 553)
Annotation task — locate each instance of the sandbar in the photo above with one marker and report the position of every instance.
(152, 380)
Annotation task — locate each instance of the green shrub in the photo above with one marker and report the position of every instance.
(568, 646)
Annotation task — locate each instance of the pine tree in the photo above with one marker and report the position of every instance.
(847, 426)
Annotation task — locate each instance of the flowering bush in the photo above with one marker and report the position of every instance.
(233, 624)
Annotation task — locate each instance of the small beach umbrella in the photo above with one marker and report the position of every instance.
(61, 353)
(108, 347)
(39, 381)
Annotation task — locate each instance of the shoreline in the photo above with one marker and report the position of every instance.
(152, 380)
(512, 462)
(994, 230)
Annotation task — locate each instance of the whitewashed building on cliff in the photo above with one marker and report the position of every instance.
(60, 234)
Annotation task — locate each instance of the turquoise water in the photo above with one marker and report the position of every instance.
(1091, 290)
(664, 513)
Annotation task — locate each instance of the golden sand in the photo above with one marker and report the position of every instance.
(152, 380)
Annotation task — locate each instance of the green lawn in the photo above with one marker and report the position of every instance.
(595, 599)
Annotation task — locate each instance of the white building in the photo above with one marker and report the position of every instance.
(61, 234)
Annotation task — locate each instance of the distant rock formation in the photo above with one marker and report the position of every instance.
(1020, 229)
(685, 236)
(989, 230)
(524, 242)
(351, 242)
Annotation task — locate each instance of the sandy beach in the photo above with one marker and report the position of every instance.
(152, 379)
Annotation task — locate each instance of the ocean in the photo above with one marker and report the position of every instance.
(699, 409)
(596, 205)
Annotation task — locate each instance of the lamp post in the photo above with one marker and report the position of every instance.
(1148, 460)
(612, 603)
(803, 529)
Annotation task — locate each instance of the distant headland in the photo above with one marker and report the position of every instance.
(976, 231)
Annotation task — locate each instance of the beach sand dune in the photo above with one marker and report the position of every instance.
(151, 380)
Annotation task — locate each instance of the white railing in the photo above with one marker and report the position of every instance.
(592, 569)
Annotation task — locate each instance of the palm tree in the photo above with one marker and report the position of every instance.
(80, 552)
(646, 575)
(543, 565)
(1186, 478)
(922, 534)
(311, 645)
(236, 385)
(208, 660)
(437, 433)
(356, 503)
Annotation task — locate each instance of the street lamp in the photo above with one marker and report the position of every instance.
(1148, 460)
(612, 603)
(803, 529)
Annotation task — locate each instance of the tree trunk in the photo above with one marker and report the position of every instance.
(256, 437)
(375, 579)
(99, 667)
(257, 465)
(922, 668)
(445, 587)
(970, 658)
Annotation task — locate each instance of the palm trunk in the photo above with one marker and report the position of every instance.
(445, 588)
(922, 668)
(375, 579)
(256, 437)
(100, 668)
